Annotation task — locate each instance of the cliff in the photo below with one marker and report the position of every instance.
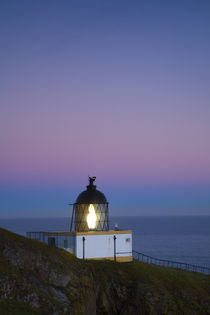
(38, 279)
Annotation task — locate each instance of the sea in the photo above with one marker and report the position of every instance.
(183, 239)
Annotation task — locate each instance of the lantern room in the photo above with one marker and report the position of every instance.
(90, 211)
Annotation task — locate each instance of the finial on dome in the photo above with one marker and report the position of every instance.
(91, 180)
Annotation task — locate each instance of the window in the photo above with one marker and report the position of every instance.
(65, 243)
(51, 241)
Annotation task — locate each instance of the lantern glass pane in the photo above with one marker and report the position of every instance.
(81, 215)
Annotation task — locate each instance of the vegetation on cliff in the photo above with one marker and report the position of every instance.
(38, 279)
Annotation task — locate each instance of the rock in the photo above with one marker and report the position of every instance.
(59, 295)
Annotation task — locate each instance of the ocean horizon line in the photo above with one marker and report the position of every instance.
(111, 216)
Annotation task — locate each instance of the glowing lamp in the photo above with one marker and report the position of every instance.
(91, 217)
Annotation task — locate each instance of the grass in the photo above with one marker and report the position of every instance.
(32, 267)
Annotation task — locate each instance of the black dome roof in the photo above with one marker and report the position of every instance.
(91, 195)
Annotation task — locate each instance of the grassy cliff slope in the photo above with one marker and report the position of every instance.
(38, 279)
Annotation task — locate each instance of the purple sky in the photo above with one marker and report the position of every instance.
(116, 89)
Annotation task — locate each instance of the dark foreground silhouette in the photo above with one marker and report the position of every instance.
(38, 279)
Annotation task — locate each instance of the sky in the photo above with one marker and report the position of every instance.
(117, 89)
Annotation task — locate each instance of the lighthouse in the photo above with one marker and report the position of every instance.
(89, 236)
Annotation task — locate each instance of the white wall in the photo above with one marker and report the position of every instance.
(59, 241)
(97, 246)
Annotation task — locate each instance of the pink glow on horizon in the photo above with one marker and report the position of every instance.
(42, 146)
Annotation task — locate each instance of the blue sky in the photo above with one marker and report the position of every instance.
(116, 89)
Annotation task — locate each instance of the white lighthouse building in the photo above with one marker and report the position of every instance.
(89, 236)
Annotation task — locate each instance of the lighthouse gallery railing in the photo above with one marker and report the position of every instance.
(169, 263)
